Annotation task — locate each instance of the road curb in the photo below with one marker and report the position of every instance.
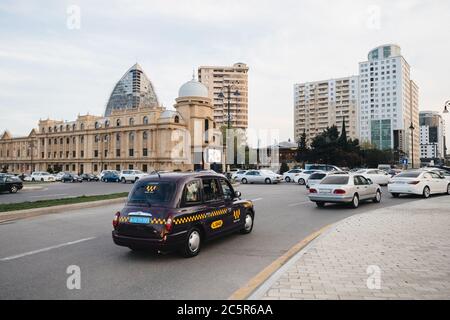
(254, 283)
(28, 213)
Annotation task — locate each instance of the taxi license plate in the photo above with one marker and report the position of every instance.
(324, 191)
(141, 220)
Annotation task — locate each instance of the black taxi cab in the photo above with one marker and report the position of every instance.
(180, 211)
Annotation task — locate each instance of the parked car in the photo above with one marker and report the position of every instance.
(42, 176)
(261, 176)
(419, 182)
(10, 183)
(131, 175)
(237, 176)
(70, 177)
(302, 177)
(321, 167)
(380, 177)
(110, 177)
(345, 188)
(289, 175)
(59, 176)
(100, 176)
(89, 177)
(181, 211)
(384, 167)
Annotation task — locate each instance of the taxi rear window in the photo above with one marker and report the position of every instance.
(153, 192)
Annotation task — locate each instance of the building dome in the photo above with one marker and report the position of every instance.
(193, 88)
(133, 90)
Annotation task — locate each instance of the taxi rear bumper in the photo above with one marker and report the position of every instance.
(171, 241)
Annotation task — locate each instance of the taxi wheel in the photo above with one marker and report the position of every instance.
(301, 181)
(426, 192)
(193, 243)
(248, 225)
(244, 181)
(13, 189)
(268, 181)
(288, 179)
(123, 180)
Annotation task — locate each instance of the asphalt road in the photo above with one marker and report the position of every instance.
(56, 190)
(36, 252)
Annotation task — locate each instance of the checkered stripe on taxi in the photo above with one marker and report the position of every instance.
(187, 219)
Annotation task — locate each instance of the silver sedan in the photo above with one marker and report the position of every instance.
(346, 188)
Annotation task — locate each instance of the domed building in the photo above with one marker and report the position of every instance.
(135, 132)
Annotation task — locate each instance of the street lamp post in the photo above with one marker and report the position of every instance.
(228, 89)
(411, 127)
(446, 111)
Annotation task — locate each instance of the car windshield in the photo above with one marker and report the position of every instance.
(153, 192)
(408, 175)
(335, 180)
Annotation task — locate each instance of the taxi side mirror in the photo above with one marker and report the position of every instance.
(237, 194)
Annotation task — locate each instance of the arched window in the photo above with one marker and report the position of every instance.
(73, 140)
(67, 127)
(106, 123)
(82, 126)
(49, 129)
(55, 141)
(61, 128)
(106, 138)
(145, 135)
(97, 125)
(55, 128)
(177, 119)
(97, 137)
(131, 137)
(118, 123)
(74, 127)
(131, 122)
(67, 140)
(81, 139)
(118, 137)
(145, 120)
(61, 141)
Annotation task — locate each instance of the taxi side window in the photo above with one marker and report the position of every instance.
(211, 190)
(228, 192)
(191, 194)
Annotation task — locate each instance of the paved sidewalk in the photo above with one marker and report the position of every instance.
(400, 252)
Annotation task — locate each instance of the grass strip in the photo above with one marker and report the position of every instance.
(57, 202)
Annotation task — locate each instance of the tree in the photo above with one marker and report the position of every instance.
(284, 167)
(302, 148)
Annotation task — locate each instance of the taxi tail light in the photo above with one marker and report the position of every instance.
(413, 182)
(339, 191)
(312, 190)
(169, 224)
(115, 222)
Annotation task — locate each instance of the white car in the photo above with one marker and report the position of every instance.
(261, 176)
(442, 172)
(131, 175)
(316, 177)
(42, 176)
(237, 176)
(377, 176)
(418, 182)
(302, 177)
(289, 175)
(344, 188)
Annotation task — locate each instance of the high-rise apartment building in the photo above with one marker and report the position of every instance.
(389, 103)
(216, 79)
(432, 137)
(321, 104)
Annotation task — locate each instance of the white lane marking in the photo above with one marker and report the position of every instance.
(50, 195)
(298, 203)
(17, 256)
(257, 199)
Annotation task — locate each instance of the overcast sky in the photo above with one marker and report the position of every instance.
(51, 68)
